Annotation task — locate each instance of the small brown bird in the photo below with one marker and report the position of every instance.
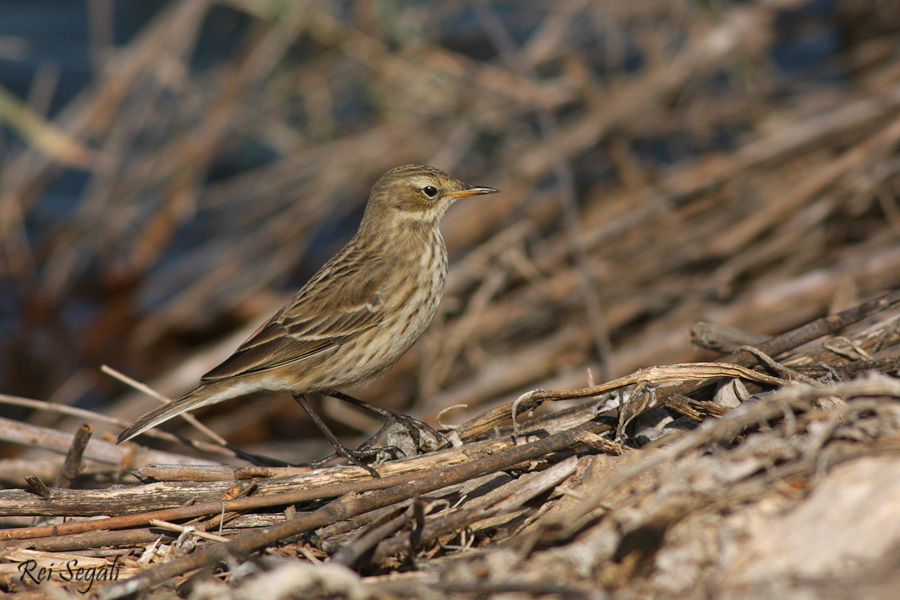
(356, 316)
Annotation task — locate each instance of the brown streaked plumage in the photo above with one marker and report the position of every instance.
(358, 314)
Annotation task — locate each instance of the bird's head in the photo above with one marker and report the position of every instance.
(418, 193)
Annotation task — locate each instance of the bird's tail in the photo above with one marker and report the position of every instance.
(198, 397)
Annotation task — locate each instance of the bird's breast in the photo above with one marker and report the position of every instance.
(419, 280)
(411, 299)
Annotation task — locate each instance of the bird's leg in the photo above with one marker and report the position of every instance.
(414, 426)
(354, 456)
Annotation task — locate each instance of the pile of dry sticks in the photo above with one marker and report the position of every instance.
(510, 504)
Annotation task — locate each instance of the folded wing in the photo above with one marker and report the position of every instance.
(290, 337)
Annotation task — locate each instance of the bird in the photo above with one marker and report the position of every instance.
(355, 317)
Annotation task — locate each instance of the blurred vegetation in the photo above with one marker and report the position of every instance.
(660, 162)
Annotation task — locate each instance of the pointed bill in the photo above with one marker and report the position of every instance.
(472, 191)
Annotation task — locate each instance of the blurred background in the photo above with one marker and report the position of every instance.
(171, 172)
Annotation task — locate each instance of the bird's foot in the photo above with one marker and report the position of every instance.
(424, 437)
(407, 434)
(361, 458)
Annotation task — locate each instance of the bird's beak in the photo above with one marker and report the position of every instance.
(471, 191)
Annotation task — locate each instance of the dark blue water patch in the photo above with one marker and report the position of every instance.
(56, 32)
(801, 13)
(220, 36)
(329, 238)
(463, 32)
(355, 109)
(603, 58)
(807, 39)
(9, 312)
(592, 168)
(806, 52)
(130, 16)
(665, 151)
(93, 399)
(57, 202)
(246, 155)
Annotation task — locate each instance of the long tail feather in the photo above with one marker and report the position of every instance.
(164, 413)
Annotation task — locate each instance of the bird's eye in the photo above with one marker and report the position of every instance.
(430, 191)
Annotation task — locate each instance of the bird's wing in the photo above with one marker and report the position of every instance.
(297, 334)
